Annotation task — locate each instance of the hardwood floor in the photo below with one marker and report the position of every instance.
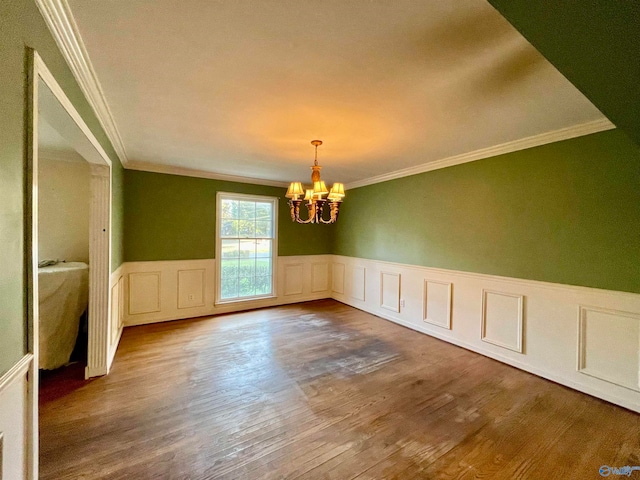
(322, 390)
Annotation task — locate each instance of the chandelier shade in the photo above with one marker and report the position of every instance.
(314, 197)
(295, 190)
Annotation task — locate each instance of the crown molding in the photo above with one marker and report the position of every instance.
(189, 172)
(58, 17)
(520, 144)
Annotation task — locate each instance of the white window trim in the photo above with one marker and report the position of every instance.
(274, 251)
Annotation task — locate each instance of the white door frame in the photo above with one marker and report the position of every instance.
(99, 245)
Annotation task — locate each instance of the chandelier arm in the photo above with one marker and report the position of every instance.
(320, 203)
(321, 217)
(312, 207)
(304, 222)
(310, 210)
(294, 209)
(294, 206)
(335, 208)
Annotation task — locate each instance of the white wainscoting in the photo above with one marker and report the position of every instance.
(167, 290)
(603, 332)
(293, 279)
(337, 278)
(170, 290)
(356, 282)
(502, 315)
(116, 317)
(437, 303)
(145, 289)
(320, 276)
(191, 287)
(390, 291)
(14, 421)
(584, 338)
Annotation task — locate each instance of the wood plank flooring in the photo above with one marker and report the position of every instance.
(321, 390)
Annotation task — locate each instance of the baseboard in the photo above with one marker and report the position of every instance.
(97, 371)
(235, 307)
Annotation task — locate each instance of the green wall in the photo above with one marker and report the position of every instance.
(22, 27)
(568, 212)
(117, 215)
(595, 44)
(172, 217)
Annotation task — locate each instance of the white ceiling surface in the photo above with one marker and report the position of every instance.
(49, 138)
(240, 87)
(59, 136)
(52, 146)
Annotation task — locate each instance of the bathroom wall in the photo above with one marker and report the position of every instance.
(63, 204)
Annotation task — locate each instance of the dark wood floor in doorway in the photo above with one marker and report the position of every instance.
(322, 390)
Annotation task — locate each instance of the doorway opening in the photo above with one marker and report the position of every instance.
(68, 202)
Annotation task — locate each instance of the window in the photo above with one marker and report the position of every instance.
(246, 246)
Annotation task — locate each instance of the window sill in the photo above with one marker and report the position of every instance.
(233, 301)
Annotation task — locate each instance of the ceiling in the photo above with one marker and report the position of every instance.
(60, 138)
(607, 71)
(52, 146)
(240, 87)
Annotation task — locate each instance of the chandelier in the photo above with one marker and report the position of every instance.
(314, 196)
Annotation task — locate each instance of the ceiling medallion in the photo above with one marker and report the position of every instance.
(314, 196)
